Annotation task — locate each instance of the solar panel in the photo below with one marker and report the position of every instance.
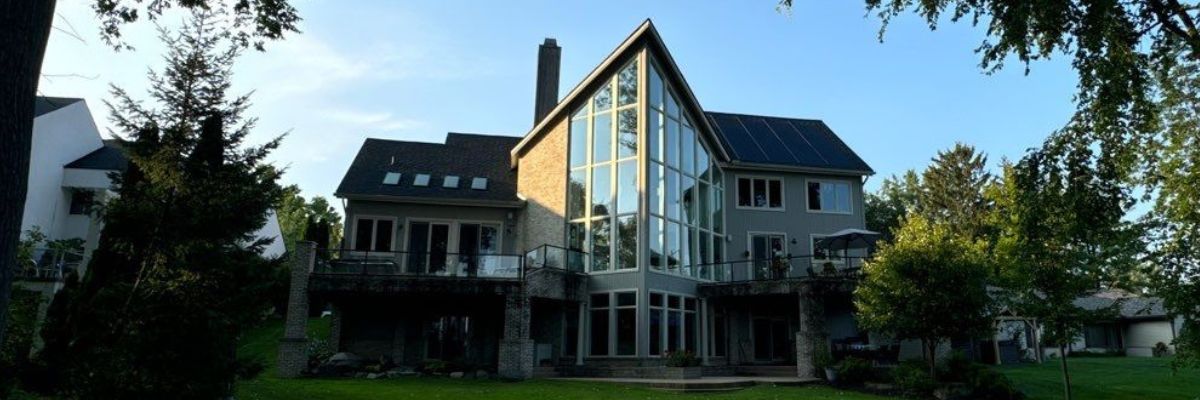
(777, 152)
(784, 141)
(795, 141)
(742, 145)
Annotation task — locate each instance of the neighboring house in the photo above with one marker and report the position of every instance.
(1141, 324)
(69, 171)
(629, 222)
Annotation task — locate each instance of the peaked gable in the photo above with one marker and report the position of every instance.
(644, 37)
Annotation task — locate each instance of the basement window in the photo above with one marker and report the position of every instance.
(450, 182)
(392, 178)
(421, 180)
(479, 183)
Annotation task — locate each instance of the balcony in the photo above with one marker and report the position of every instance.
(779, 275)
(49, 265)
(548, 272)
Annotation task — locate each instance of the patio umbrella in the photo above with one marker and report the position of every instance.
(846, 239)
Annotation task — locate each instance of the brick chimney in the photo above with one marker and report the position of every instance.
(546, 96)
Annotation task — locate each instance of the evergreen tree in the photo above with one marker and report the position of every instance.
(178, 273)
(952, 190)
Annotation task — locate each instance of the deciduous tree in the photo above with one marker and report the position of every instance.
(929, 284)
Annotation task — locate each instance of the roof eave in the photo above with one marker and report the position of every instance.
(432, 201)
(791, 168)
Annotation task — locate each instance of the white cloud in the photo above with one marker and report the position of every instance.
(372, 121)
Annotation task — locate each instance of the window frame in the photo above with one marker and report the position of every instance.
(612, 309)
(737, 184)
(849, 199)
(374, 232)
(664, 311)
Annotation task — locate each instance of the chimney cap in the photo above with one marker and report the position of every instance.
(550, 42)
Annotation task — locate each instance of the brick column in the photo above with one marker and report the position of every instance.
(516, 348)
(293, 357)
(811, 336)
(335, 328)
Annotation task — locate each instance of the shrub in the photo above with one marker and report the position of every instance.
(854, 371)
(1161, 350)
(986, 384)
(318, 351)
(913, 379)
(433, 366)
(18, 339)
(682, 359)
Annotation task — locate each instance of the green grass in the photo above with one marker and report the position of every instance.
(1115, 378)
(1107, 378)
(263, 342)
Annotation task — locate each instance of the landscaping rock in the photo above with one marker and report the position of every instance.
(458, 374)
(482, 374)
(374, 375)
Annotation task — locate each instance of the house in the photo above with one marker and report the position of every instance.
(1140, 324)
(627, 223)
(69, 168)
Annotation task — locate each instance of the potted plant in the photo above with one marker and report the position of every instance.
(824, 363)
(779, 265)
(682, 364)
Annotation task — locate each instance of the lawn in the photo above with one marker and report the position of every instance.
(1115, 378)
(262, 343)
(1107, 378)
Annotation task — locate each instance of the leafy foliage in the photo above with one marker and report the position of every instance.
(929, 284)
(303, 219)
(177, 275)
(253, 22)
(886, 207)
(18, 340)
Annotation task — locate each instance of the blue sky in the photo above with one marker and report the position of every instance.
(416, 70)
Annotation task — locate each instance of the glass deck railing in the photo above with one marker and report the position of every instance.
(778, 268)
(432, 263)
(554, 257)
(49, 264)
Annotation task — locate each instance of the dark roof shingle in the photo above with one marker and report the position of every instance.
(788, 142)
(110, 157)
(466, 156)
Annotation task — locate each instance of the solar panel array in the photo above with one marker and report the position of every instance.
(784, 141)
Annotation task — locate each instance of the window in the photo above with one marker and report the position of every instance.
(391, 178)
(672, 324)
(829, 196)
(450, 182)
(602, 193)
(614, 324)
(81, 201)
(760, 193)
(599, 325)
(479, 183)
(373, 234)
(421, 180)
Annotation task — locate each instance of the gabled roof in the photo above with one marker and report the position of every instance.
(755, 140)
(466, 156)
(110, 157)
(44, 105)
(645, 36)
(1130, 307)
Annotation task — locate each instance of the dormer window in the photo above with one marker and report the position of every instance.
(392, 178)
(450, 182)
(479, 183)
(421, 180)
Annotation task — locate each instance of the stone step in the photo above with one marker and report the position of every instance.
(767, 370)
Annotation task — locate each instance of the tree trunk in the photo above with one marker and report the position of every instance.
(1062, 352)
(931, 355)
(24, 32)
